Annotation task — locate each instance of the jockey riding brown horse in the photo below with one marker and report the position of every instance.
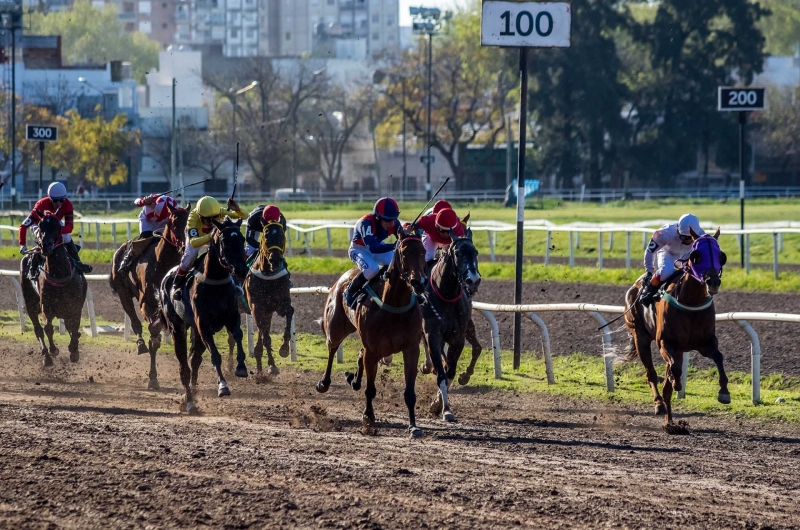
(145, 277)
(681, 321)
(389, 323)
(59, 292)
(208, 304)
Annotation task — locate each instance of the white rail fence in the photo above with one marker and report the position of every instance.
(487, 310)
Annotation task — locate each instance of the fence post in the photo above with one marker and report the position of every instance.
(577, 240)
(610, 241)
(339, 355)
(547, 248)
(548, 357)
(775, 254)
(126, 330)
(114, 234)
(746, 251)
(498, 369)
(644, 241)
(627, 250)
(308, 245)
(571, 250)
(608, 357)
(128, 230)
(330, 246)
(90, 310)
(755, 361)
(684, 371)
(293, 343)
(491, 246)
(600, 250)
(780, 241)
(97, 235)
(289, 251)
(20, 303)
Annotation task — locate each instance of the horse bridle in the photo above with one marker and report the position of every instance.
(451, 254)
(174, 242)
(404, 275)
(218, 249)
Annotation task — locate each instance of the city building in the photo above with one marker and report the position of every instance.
(154, 18)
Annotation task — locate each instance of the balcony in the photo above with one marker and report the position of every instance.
(349, 5)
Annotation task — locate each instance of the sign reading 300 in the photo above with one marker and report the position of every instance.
(525, 24)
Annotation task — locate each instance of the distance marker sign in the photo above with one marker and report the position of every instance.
(738, 99)
(41, 133)
(526, 24)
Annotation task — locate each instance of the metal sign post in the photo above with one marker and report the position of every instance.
(524, 25)
(741, 100)
(41, 134)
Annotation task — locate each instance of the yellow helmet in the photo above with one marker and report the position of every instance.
(208, 207)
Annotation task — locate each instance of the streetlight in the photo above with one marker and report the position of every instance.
(314, 75)
(377, 78)
(99, 90)
(232, 94)
(428, 21)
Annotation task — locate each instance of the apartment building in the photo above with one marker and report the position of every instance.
(155, 18)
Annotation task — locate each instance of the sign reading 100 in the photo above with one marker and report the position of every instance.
(525, 24)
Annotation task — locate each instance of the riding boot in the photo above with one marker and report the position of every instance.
(127, 260)
(288, 274)
(177, 285)
(648, 292)
(73, 252)
(351, 293)
(33, 267)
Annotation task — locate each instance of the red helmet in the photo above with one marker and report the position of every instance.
(447, 219)
(271, 214)
(441, 205)
(386, 208)
(167, 200)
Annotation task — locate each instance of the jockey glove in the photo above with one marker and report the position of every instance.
(23, 249)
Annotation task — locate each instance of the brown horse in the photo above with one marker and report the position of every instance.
(681, 321)
(267, 289)
(143, 280)
(387, 324)
(59, 292)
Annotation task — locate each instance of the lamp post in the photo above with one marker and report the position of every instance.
(232, 94)
(377, 78)
(314, 75)
(99, 91)
(428, 21)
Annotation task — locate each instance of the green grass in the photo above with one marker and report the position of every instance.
(577, 376)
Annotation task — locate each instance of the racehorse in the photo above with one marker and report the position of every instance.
(386, 324)
(210, 303)
(681, 321)
(267, 289)
(446, 314)
(59, 292)
(143, 280)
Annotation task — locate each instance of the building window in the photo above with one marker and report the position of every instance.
(145, 26)
(127, 7)
(234, 33)
(331, 2)
(376, 36)
(164, 25)
(145, 8)
(288, 36)
(163, 5)
(251, 34)
(390, 21)
(376, 19)
(129, 27)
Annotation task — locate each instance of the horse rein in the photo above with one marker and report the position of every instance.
(398, 253)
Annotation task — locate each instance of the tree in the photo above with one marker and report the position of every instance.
(471, 92)
(779, 125)
(782, 27)
(91, 35)
(205, 150)
(328, 127)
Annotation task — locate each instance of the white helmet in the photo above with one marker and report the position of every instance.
(689, 221)
(57, 191)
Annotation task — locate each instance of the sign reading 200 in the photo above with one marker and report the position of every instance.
(525, 24)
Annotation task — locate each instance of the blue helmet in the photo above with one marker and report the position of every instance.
(386, 208)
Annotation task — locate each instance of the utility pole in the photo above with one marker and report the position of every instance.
(404, 183)
(428, 157)
(173, 139)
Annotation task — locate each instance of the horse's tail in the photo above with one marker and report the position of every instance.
(629, 353)
(111, 283)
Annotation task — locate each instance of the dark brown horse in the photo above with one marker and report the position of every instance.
(267, 289)
(389, 323)
(145, 277)
(59, 292)
(681, 321)
(446, 314)
(210, 303)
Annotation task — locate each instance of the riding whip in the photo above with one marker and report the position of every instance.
(429, 200)
(182, 187)
(611, 322)
(235, 171)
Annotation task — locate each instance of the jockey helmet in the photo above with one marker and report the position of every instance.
(167, 200)
(441, 205)
(446, 219)
(57, 191)
(386, 208)
(208, 207)
(688, 221)
(271, 214)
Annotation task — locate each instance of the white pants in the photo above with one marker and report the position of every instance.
(368, 262)
(431, 247)
(249, 250)
(66, 238)
(189, 255)
(666, 264)
(146, 224)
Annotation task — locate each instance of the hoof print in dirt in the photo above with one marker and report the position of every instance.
(681, 427)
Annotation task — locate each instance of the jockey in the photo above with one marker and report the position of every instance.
(56, 203)
(256, 221)
(436, 231)
(367, 249)
(669, 243)
(153, 217)
(438, 207)
(198, 234)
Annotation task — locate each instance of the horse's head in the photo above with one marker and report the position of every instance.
(229, 245)
(49, 233)
(465, 257)
(176, 223)
(273, 245)
(410, 257)
(706, 261)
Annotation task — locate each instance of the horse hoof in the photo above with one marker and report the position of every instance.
(415, 432)
(725, 399)
(153, 385)
(48, 362)
(54, 352)
(436, 408)
(449, 417)
(322, 387)
(463, 379)
(660, 409)
(141, 347)
(273, 370)
(241, 371)
(386, 360)
(284, 351)
(74, 357)
(425, 369)
(223, 390)
(192, 410)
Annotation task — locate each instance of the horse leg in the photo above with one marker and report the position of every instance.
(453, 354)
(231, 346)
(268, 342)
(73, 325)
(674, 360)
(155, 343)
(642, 342)
(410, 359)
(179, 340)
(354, 380)
(258, 351)
(287, 331)
(207, 336)
(371, 364)
(48, 329)
(197, 355)
(712, 351)
(428, 366)
(472, 337)
(667, 391)
(127, 305)
(235, 329)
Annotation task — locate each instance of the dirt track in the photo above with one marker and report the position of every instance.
(111, 455)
